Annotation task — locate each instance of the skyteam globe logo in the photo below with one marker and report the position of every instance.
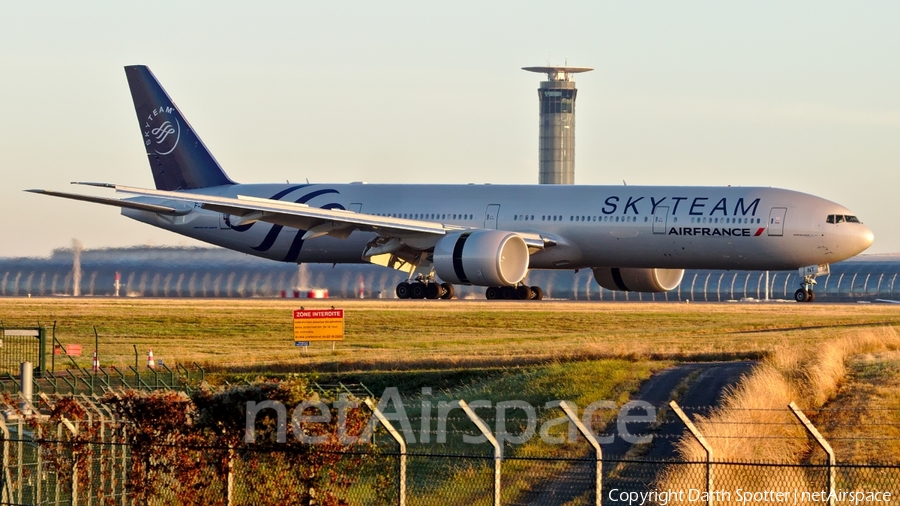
(162, 131)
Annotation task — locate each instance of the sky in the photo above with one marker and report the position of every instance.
(799, 95)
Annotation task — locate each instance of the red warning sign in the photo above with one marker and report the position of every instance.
(318, 325)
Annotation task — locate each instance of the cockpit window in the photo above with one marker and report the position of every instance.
(841, 218)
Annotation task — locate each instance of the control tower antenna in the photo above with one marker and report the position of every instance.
(556, 143)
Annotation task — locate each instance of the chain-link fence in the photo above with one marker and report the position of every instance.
(260, 478)
(116, 450)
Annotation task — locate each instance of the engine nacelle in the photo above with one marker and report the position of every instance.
(638, 280)
(481, 257)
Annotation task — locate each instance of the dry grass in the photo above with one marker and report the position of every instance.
(237, 334)
(753, 422)
(756, 409)
(863, 420)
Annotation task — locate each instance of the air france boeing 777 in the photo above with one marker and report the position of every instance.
(635, 238)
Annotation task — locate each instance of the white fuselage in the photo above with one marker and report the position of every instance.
(593, 226)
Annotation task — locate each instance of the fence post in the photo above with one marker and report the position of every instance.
(74, 431)
(598, 465)
(399, 439)
(202, 372)
(106, 412)
(27, 387)
(20, 460)
(6, 477)
(823, 443)
(229, 481)
(700, 439)
(498, 451)
(54, 342)
(42, 361)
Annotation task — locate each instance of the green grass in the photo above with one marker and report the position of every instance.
(252, 335)
(470, 350)
(470, 480)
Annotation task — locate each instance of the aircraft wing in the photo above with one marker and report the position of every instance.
(140, 206)
(317, 222)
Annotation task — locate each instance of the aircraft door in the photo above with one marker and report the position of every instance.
(776, 221)
(490, 216)
(660, 220)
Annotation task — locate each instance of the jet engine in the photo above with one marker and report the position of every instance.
(481, 257)
(638, 280)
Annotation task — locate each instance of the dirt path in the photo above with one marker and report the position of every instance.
(707, 382)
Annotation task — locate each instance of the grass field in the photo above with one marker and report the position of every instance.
(256, 335)
(497, 351)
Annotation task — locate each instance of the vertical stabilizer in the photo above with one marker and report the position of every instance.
(178, 158)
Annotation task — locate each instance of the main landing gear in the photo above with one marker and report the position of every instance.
(427, 288)
(424, 288)
(806, 293)
(521, 292)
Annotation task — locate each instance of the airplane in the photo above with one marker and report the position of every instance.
(634, 238)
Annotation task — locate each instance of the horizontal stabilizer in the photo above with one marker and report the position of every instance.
(153, 208)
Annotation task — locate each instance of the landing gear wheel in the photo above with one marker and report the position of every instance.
(523, 293)
(433, 291)
(537, 293)
(403, 290)
(492, 293)
(806, 287)
(417, 291)
(508, 292)
(447, 290)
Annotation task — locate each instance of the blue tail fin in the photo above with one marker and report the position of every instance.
(177, 156)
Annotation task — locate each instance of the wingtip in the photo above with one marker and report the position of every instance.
(99, 185)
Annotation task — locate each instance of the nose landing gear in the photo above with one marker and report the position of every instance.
(806, 293)
(802, 295)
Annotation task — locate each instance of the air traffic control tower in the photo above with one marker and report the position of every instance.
(557, 130)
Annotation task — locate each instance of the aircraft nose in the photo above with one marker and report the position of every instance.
(865, 237)
(857, 238)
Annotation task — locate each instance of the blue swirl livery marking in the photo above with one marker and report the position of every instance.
(277, 196)
(297, 244)
(275, 231)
